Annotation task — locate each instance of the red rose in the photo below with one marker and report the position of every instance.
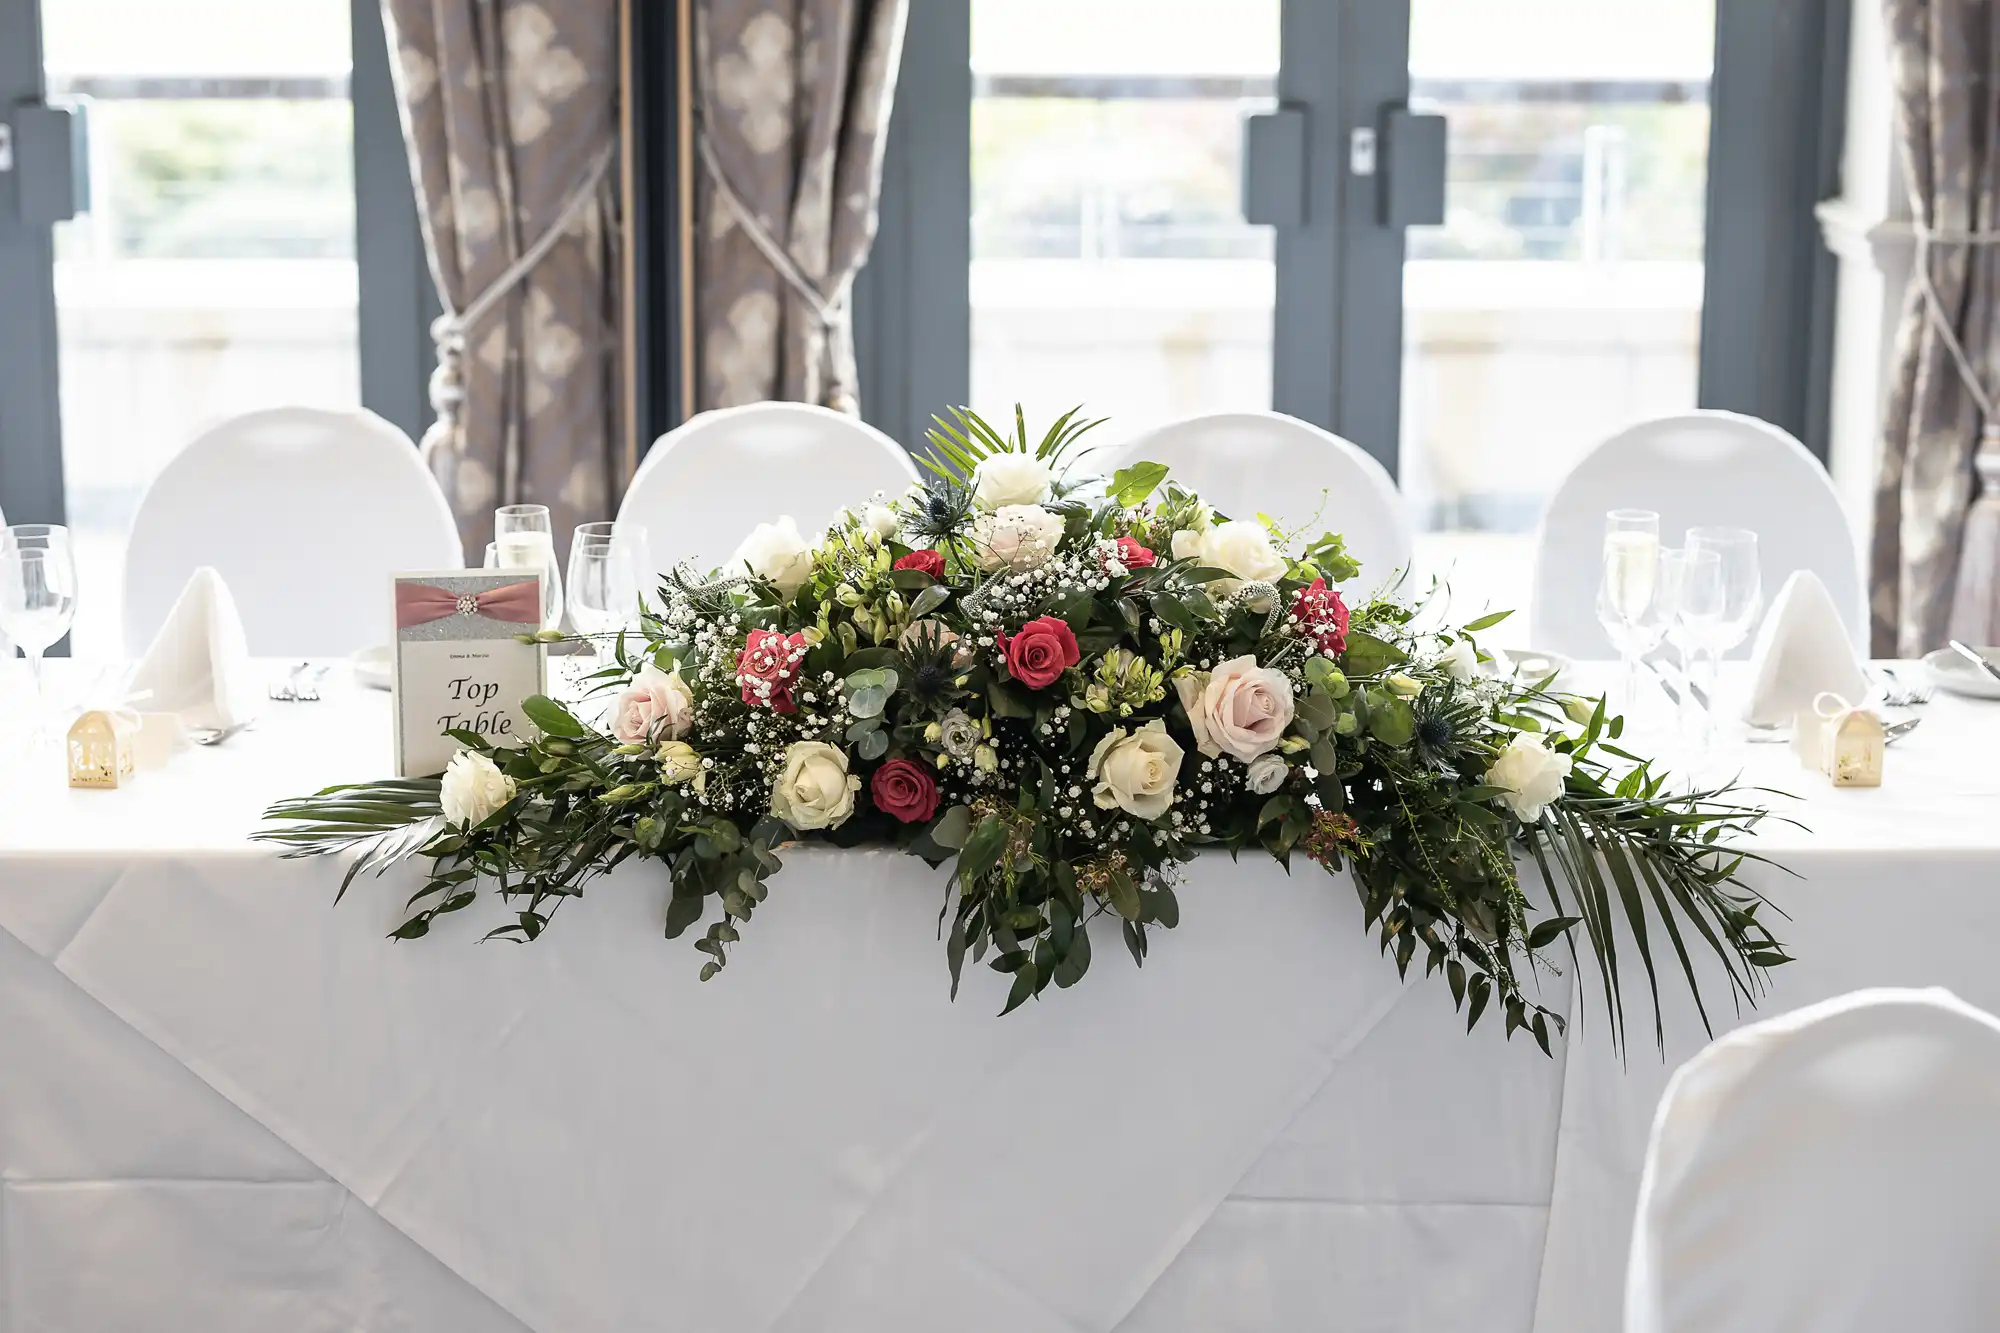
(1322, 617)
(1132, 555)
(1040, 652)
(905, 790)
(930, 562)
(767, 666)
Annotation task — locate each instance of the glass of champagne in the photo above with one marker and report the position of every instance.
(1742, 592)
(524, 539)
(1628, 588)
(37, 597)
(630, 536)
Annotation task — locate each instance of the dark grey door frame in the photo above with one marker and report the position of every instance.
(31, 480)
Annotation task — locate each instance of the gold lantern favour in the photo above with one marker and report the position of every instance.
(100, 748)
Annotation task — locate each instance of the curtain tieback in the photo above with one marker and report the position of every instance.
(1934, 311)
(447, 386)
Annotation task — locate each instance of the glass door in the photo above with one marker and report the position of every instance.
(1561, 300)
(1111, 265)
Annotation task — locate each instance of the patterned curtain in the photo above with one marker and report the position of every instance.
(509, 108)
(793, 104)
(1936, 557)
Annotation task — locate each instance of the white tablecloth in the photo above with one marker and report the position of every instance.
(226, 1104)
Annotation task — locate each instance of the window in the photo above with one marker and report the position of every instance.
(214, 272)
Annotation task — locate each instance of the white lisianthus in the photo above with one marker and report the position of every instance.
(1135, 771)
(880, 520)
(473, 788)
(1241, 709)
(1402, 686)
(678, 763)
(1007, 479)
(1460, 661)
(1016, 537)
(777, 552)
(1530, 776)
(1267, 773)
(814, 788)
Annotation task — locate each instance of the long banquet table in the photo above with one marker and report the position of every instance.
(226, 1104)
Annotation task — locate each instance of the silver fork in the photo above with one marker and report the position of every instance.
(1899, 693)
(217, 735)
(308, 686)
(286, 690)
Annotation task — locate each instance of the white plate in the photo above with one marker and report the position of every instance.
(1954, 673)
(371, 667)
(1533, 664)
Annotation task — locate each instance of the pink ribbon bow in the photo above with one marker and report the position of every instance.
(420, 603)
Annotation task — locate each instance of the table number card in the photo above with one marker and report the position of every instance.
(458, 663)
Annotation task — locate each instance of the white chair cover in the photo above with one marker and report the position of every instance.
(1695, 469)
(705, 484)
(305, 513)
(1245, 463)
(1831, 1170)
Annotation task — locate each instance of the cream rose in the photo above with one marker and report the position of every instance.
(777, 552)
(1016, 537)
(1530, 776)
(1460, 661)
(880, 520)
(1135, 771)
(678, 763)
(1267, 773)
(1242, 547)
(657, 704)
(473, 788)
(814, 789)
(1007, 479)
(1240, 710)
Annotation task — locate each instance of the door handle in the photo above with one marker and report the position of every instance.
(1411, 168)
(40, 147)
(1274, 167)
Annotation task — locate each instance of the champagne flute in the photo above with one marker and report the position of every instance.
(37, 596)
(1698, 606)
(1628, 586)
(524, 539)
(1742, 593)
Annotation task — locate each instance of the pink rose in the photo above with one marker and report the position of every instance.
(767, 666)
(1240, 710)
(904, 790)
(657, 705)
(924, 562)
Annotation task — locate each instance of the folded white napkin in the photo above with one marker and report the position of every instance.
(1801, 650)
(198, 666)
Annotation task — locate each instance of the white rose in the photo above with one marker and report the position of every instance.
(656, 704)
(1530, 775)
(1244, 549)
(1186, 544)
(1267, 773)
(880, 520)
(1017, 537)
(814, 789)
(1135, 771)
(473, 788)
(1007, 479)
(1240, 710)
(678, 763)
(777, 552)
(1460, 661)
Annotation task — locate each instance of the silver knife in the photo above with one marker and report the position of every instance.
(1976, 658)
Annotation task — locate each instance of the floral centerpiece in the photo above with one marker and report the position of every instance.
(1063, 695)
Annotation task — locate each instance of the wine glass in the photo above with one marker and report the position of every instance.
(524, 539)
(1742, 593)
(603, 590)
(37, 595)
(631, 536)
(1697, 608)
(1628, 587)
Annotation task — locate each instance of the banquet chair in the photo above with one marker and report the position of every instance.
(706, 483)
(305, 513)
(1695, 469)
(1246, 463)
(1831, 1170)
